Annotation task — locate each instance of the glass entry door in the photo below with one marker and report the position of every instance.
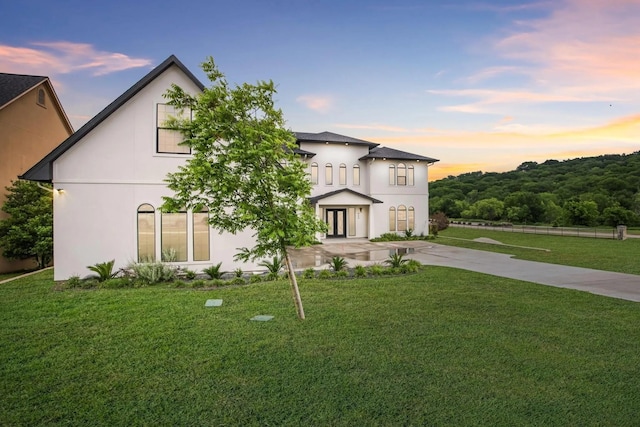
(336, 222)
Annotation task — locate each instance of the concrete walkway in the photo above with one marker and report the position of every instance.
(363, 252)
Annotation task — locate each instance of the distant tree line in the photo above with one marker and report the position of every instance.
(603, 190)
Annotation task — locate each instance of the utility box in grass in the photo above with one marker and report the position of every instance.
(621, 232)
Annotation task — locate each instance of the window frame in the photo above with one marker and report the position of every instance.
(392, 174)
(356, 175)
(401, 174)
(328, 174)
(163, 130)
(195, 242)
(392, 218)
(151, 214)
(342, 174)
(183, 231)
(401, 223)
(314, 173)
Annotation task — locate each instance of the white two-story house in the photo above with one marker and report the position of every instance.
(109, 183)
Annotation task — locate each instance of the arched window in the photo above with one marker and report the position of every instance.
(410, 175)
(402, 174)
(412, 218)
(402, 218)
(314, 173)
(392, 174)
(201, 235)
(392, 219)
(356, 175)
(328, 174)
(342, 174)
(146, 233)
(173, 236)
(41, 97)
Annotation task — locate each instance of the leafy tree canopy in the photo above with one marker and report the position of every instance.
(28, 230)
(243, 169)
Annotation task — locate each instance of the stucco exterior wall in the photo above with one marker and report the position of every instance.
(336, 154)
(28, 131)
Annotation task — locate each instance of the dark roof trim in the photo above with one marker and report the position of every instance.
(330, 137)
(43, 170)
(315, 199)
(304, 153)
(392, 154)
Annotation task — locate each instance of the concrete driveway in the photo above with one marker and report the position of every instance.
(363, 252)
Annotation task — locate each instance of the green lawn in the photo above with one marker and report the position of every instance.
(441, 347)
(601, 254)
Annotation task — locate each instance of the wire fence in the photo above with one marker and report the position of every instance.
(594, 232)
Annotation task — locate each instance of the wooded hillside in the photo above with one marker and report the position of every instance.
(603, 190)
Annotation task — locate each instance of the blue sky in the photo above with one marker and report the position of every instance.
(480, 85)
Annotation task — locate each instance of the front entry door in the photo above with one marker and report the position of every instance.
(336, 222)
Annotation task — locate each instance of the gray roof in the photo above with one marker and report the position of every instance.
(331, 137)
(315, 199)
(390, 153)
(304, 153)
(43, 170)
(14, 85)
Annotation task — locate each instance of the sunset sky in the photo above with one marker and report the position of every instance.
(480, 85)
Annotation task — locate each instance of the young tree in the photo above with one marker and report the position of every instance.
(28, 230)
(243, 169)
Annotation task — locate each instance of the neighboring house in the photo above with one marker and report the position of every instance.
(32, 123)
(112, 170)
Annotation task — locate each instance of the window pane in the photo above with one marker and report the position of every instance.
(356, 175)
(412, 218)
(174, 236)
(328, 174)
(352, 222)
(402, 174)
(169, 139)
(402, 218)
(146, 233)
(392, 175)
(410, 176)
(314, 173)
(392, 219)
(343, 174)
(201, 236)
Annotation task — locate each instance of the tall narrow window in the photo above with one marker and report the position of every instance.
(410, 175)
(41, 97)
(351, 226)
(392, 219)
(402, 174)
(402, 218)
(169, 139)
(314, 173)
(201, 235)
(356, 175)
(328, 174)
(174, 236)
(392, 175)
(146, 233)
(342, 175)
(412, 218)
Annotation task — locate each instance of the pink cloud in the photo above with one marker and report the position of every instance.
(319, 103)
(51, 58)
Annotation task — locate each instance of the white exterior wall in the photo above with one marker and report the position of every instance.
(336, 154)
(107, 175)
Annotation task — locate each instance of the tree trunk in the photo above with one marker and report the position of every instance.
(294, 286)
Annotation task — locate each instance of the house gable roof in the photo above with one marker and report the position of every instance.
(12, 86)
(315, 199)
(330, 137)
(43, 170)
(390, 153)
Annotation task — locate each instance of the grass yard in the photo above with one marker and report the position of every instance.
(441, 347)
(601, 254)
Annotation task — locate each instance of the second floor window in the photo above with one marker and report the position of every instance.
(314, 173)
(342, 176)
(356, 175)
(328, 174)
(169, 139)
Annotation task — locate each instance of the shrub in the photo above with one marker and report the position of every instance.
(309, 273)
(440, 220)
(433, 229)
(73, 282)
(408, 233)
(116, 283)
(411, 266)
(238, 281)
(104, 270)
(338, 263)
(169, 255)
(255, 278)
(198, 283)
(273, 266)
(395, 260)
(360, 271)
(189, 274)
(342, 274)
(325, 274)
(377, 269)
(213, 271)
(238, 272)
(271, 277)
(150, 273)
